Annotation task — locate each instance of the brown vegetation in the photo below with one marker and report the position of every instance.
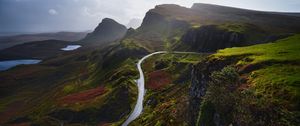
(158, 79)
(83, 96)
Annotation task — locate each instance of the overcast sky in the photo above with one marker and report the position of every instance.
(81, 15)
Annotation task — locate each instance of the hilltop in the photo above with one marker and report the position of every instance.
(244, 71)
(167, 24)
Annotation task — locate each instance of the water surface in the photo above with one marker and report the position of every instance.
(71, 47)
(5, 65)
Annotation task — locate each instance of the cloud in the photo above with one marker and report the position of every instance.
(52, 12)
(78, 15)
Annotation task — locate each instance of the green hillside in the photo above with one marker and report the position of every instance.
(261, 85)
(237, 67)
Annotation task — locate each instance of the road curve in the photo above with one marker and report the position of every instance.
(141, 90)
(141, 86)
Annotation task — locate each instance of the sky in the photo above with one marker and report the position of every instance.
(81, 15)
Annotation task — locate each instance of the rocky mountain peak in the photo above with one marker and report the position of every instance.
(108, 24)
(107, 31)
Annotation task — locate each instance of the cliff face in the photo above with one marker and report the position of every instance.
(158, 28)
(209, 38)
(220, 27)
(200, 78)
(107, 31)
(268, 21)
(235, 86)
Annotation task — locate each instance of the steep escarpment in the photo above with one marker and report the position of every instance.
(200, 77)
(174, 27)
(254, 85)
(107, 31)
(210, 38)
(268, 21)
(157, 30)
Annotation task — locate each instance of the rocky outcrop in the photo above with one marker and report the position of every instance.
(168, 22)
(157, 28)
(200, 78)
(107, 31)
(210, 38)
(166, 18)
(152, 19)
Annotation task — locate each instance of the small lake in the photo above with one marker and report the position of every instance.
(5, 65)
(71, 47)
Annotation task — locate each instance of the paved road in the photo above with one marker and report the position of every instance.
(141, 87)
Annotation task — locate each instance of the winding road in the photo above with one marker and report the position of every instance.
(141, 87)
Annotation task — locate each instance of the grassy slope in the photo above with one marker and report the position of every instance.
(280, 51)
(167, 104)
(42, 88)
(282, 69)
(170, 22)
(272, 72)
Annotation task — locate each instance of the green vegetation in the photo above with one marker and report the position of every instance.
(285, 50)
(280, 83)
(95, 85)
(240, 28)
(220, 98)
(131, 44)
(71, 83)
(266, 90)
(167, 104)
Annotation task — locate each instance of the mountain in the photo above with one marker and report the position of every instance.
(94, 85)
(9, 41)
(257, 84)
(107, 31)
(184, 28)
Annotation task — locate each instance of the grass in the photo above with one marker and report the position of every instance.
(168, 105)
(278, 82)
(282, 77)
(273, 82)
(234, 27)
(64, 75)
(190, 58)
(131, 44)
(285, 50)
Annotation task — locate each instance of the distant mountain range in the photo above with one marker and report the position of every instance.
(9, 41)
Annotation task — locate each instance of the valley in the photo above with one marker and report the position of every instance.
(207, 65)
